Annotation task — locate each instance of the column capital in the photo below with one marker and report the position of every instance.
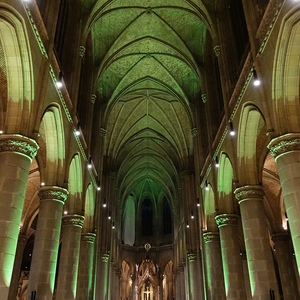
(226, 219)
(192, 256)
(105, 258)
(280, 237)
(73, 220)
(217, 50)
(54, 193)
(284, 143)
(19, 144)
(88, 237)
(249, 192)
(81, 51)
(102, 132)
(211, 237)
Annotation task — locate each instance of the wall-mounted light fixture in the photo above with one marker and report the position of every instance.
(256, 80)
(231, 129)
(59, 82)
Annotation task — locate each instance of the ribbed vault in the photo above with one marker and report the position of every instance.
(148, 57)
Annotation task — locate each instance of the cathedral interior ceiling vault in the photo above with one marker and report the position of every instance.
(148, 75)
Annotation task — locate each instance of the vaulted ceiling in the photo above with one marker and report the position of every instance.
(148, 56)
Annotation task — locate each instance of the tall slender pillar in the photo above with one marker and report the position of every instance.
(231, 258)
(16, 154)
(46, 242)
(214, 271)
(86, 267)
(286, 150)
(195, 277)
(69, 257)
(259, 255)
(13, 289)
(285, 265)
(103, 277)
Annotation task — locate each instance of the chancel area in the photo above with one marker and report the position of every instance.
(149, 149)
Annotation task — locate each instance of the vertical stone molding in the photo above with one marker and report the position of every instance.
(16, 154)
(86, 267)
(214, 271)
(231, 258)
(69, 257)
(259, 255)
(46, 243)
(286, 150)
(283, 253)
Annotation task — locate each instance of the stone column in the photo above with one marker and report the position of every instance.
(86, 267)
(69, 257)
(16, 154)
(259, 255)
(13, 289)
(231, 258)
(285, 258)
(103, 277)
(195, 277)
(214, 271)
(286, 150)
(46, 242)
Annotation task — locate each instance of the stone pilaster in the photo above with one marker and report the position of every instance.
(286, 150)
(46, 243)
(214, 271)
(16, 154)
(69, 257)
(259, 256)
(283, 253)
(86, 267)
(231, 258)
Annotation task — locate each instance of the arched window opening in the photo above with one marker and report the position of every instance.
(147, 218)
(167, 218)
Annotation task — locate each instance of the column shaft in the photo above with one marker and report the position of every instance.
(195, 277)
(13, 289)
(231, 258)
(214, 271)
(69, 257)
(259, 255)
(286, 150)
(46, 243)
(16, 154)
(86, 267)
(103, 277)
(285, 265)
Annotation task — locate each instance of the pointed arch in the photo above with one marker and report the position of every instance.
(74, 202)
(129, 221)
(52, 145)
(17, 75)
(89, 209)
(286, 75)
(251, 127)
(225, 179)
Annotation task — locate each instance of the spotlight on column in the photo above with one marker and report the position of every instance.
(104, 202)
(217, 162)
(206, 185)
(59, 82)
(256, 80)
(192, 215)
(198, 202)
(113, 225)
(89, 163)
(231, 129)
(109, 216)
(187, 224)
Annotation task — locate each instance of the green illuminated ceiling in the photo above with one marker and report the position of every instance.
(148, 57)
